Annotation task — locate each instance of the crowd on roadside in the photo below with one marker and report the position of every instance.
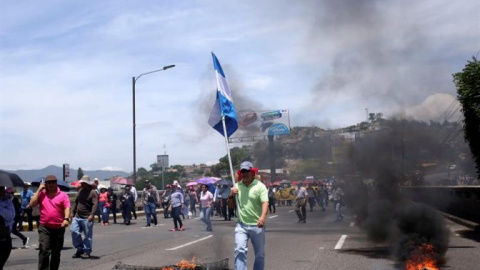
(94, 200)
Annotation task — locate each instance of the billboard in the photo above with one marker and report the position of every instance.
(66, 172)
(262, 123)
(162, 161)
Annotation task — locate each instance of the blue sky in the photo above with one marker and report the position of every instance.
(66, 71)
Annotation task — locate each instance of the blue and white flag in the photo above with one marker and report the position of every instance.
(223, 104)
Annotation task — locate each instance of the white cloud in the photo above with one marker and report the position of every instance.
(67, 67)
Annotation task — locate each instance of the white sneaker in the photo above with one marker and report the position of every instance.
(25, 242)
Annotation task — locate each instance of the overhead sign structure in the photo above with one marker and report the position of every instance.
(66, 172)
(263, 123)
(162, 161)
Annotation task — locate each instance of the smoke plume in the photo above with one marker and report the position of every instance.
(382, 211)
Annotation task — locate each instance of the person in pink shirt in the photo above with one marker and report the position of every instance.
(206, 201)
(54, 207)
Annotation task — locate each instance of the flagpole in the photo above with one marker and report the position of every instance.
(228, 148)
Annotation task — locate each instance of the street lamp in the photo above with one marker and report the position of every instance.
(134, 81)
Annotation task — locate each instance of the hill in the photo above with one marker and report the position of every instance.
(30, 175)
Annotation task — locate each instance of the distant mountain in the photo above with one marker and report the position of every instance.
(30, 175)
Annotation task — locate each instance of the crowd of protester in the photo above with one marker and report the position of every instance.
(92, 200)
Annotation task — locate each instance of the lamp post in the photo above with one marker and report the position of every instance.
(134, 81)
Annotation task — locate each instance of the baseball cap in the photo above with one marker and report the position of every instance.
(246, 165)
(50, 178)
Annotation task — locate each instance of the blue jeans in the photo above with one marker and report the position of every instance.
(338, 210)
(151, 210)
(79, 226)
(104, 211)
(205, 217)
(257, 236)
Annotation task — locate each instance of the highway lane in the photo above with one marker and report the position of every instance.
(314, 245)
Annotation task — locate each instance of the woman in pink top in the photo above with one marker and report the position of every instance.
(103, 203)
(206, 200)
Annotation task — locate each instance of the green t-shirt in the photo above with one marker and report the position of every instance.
(250, 200)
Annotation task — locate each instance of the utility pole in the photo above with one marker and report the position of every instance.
(271, 147)
(163, 167)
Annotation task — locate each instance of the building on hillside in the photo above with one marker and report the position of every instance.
(191, 169)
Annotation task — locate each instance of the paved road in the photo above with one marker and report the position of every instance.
(319, 244)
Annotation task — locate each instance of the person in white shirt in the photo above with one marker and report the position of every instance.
(337, 196)
(133, 190)
(300, 204)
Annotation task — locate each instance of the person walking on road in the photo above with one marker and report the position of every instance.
(166, 200)
(112, 197)
(84, 209)
(301, 203)
(225, 191)
(5, 242)
(324, 196)
(96, 187)
(7, 215)
(54, 207)
(252, 198)
(271, 200)
(177, 202)
(18, 210)
(150, 201)
(337, 197)
(103, 203)
(26, 195)
(127, 203)
(206, 201)
(133, 190)
(311, 197)
(193, 201)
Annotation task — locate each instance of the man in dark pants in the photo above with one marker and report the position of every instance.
(300, 204)
(225, 193)
(7, 215)
(113, 204)
(5, 242)
(26, 195)
(133, 190)
(18, 209)
(54, 207)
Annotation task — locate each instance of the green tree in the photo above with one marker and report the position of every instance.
(468, 94)
(79, 173)
(155, 167)
(143, 174)
(180, 170)
(238, 156)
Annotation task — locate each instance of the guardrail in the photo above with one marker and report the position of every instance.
(459, 201)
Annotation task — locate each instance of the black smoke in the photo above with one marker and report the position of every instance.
(375, 194)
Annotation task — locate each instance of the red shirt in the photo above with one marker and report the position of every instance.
(52, 209)
(103, 197)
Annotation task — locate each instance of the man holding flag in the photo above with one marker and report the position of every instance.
(223, 118)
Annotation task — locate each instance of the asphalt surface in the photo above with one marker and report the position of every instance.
(321, 243)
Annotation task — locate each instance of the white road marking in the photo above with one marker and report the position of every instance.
(291, 211)
(340, 242)
(352, 224)
(190, 243)
(273, 216)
